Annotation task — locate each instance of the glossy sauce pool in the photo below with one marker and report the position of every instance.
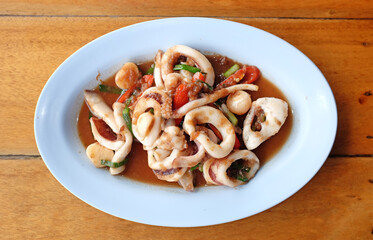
(137, 166)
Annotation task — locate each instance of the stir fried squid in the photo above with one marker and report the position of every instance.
(185, 119)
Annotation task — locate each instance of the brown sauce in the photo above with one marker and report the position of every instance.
(137, 167)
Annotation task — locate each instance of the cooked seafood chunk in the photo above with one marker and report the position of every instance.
(192, 158)
(104, 135)
(172, 54)
(170, 175)
(239, 102)
(186, 181)
(172, 138)
(146, 126)
(211, 98)
(215, 117)
(264, 120)
(121, 154)
(236, 169)
(100, 109)
(157, 70)
(127, 75)
(161, 159)
(96, 153)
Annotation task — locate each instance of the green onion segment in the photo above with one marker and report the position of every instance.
(231, 70)
(114, 164)
(150, 70)
(186, 67)
(127, 118)
(232, 118)
(109, 89)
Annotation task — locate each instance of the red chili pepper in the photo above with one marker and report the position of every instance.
(251, 75)
(232, 79)
(127, 94)
(237, 143)
(181, 96)
(178, 121)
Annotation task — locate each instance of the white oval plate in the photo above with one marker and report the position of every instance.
(309, 95)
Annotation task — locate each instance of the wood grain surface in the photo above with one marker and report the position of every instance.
(35, 47)
(220, 8)
(336, 204)
(38, 35)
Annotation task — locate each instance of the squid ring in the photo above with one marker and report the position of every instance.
(223, 172)
(264, 120)
(172, 54)
(211, 115)
(146, 126)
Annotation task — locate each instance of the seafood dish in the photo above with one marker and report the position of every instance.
(189, 118)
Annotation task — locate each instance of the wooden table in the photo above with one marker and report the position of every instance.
(37, 36)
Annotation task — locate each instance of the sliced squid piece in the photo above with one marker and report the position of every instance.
(172, 80)
(264, 120)
(125, 149)
(100, 109)
(104, 135)
(157, 70)
(170, 175)
(146, 126)
(172, 138)
(172, 54)
(190, 160)
(164, 100)
(96, 153)
(186, 181)
(234, 170)
(161, 159)
(199, 154)
(211, 115)
(211, 98)
(187, 76)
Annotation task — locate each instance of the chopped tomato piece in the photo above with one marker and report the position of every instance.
(232, 79)
(181, 96)
(251, 75)
(237, 143)
(149, 79)
(127, 94)
(178, 121)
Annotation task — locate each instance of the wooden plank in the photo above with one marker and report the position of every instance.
(32, 48)
(222, 8)
(336, 204)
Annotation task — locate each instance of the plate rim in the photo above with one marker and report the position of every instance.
(165, 20)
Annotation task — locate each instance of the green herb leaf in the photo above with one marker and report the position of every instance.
(114, 164)
(242, 178)
(127, 118)
(150, 70)
(109, 89)
(186, 67)
(151, 111)
(90, 115)
(194, 167)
